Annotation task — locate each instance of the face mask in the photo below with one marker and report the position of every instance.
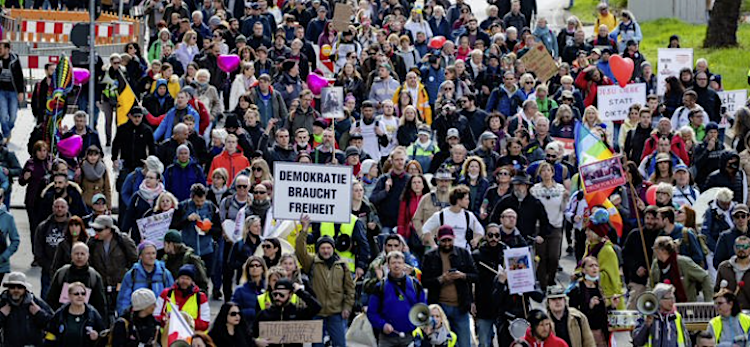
(473, 176)
(592, 278)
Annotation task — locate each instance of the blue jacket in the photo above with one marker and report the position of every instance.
(9, 239)
(164, 130)
(178, 180)
(137, 278)
(432, 78)
(725, 245)
(504, 102)
(202, 244)
(714, 223)
(130, 185)
(398, 304)
(246, 297)
(442, 28)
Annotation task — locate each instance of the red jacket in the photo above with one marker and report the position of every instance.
(406, 214)
(234, 163)
(678, 147)
(551, 341)
(589, 88)
(204, 310)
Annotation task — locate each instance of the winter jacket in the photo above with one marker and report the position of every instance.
(246, 297)
(164, 130)
(137, 208)
(390, 305)
(73, 196)
(505, 101)
(663, 332)
(179, 179)
(202, 244)
(100, 186)
(384, 200)
(47, 236)
(692, 276)
(185, 255)
(626, 32)
(20, 327)
(715, 222)
(167, 151)
(678, 147)
(112, 264)
(218, 76)
(707, 161)
(423, 101)
(16, 71)
(444, 122)
(130, 186)
(578, 329)
(333, 286)
(432, 78)
(57, 326)
(725, 245)
(633, 252)
(531, 212)
(137, 278)
(9, 240)
(610, 280)
(710, 101)
(132, 144)
(234, 163)
(289, 312)
(551, 341)
(302, 119)
(547, 37)
(635, 140)
(276, 153)
(432, 268)
(589, 88)
(484, 302)
(733, 273)
(720, 178)
(86, 275)
(692, 248)
(204, 310)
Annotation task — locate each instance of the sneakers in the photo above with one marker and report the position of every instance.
(216, 294)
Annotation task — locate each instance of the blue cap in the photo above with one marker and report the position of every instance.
(681, 167)
(712, 126)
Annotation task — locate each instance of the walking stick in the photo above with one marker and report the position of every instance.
(640, 229)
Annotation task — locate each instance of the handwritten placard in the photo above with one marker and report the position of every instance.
(154, 227)
(305, 331)
(539, 61)
(342, 17)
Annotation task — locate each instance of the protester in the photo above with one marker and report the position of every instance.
(147, 273)
(664, 327)
(75, 323)
(186, 297)
(137, 324)
(23, 315)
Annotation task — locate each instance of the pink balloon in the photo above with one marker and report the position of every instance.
(80, 75)
(228, 62)
(70, 147)
(316, 83)
(622, 68)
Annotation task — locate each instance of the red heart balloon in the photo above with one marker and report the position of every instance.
(622, 68)
(437, 42)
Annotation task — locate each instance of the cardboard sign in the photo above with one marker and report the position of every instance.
(304, 331)
(539, 61)
(733, 99)
(671, 61)
(153, 228)
(603, 174)
(333, 102)
(342, 17)
(519, 265)
(324, 192)
(614, 101)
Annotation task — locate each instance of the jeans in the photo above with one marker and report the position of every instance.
(8, 111)
(459, 324)
(387, 231)
(46, 281)
(335, 326)
(218, 265)
(486, 332)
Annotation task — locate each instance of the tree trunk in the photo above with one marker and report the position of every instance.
(722, 24)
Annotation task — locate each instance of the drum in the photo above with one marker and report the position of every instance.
(623, 320)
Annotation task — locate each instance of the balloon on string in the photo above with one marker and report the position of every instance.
(651, 195)
(316, 83)
(437, 42)
(228, 62)
(622, 68)
(600, 216)
(70, 147)
(80, 76)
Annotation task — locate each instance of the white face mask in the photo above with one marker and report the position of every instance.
(592, 278)
(473, 176)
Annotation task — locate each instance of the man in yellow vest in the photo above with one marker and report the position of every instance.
(350, 243)
(731, 326)
(665, 327)
(187, 297)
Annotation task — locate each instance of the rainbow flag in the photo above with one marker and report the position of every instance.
(590, 148)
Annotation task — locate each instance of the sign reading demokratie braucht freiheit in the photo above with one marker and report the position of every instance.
(324, 192)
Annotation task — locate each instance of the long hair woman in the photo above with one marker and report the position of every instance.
(416, 187)
(75, 232)
(253, 283)
(230, 327)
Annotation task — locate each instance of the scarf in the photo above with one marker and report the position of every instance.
(93, 172)
(218, 192)
(150, 194)
(671, 269)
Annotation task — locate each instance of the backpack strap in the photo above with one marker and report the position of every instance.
(469, 233)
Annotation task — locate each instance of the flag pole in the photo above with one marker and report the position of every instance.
(640, 229)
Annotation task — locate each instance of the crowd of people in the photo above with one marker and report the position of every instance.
(459, 154)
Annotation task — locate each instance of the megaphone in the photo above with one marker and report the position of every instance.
(517, 328)
(647, 303)
(419, 315)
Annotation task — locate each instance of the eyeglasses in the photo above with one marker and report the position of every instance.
(278, 294)
(15, 286)
(503, 173)
(257, 169)
(234, 313)
(78, 294)
(243, 186)
(493, 236)
(254, 265)
(529, 82)
(551, 156)
(98, 230)
(740, 215)
(742, 246)
(267, 246)
(259, 192)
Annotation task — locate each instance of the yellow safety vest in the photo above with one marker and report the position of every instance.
(191, 306)
(264, 300)
(680, 333)
(717, 325)
(328, 229)
(451, 341)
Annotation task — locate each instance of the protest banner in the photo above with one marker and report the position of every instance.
(153, 228)
(333, 102)
(569, 145)
(671, 61)
(603, 174)
(733, 99)
(321, 191)
(302, 331)
(540, 62)
(342, 17)
(614, 101)
(519, 267)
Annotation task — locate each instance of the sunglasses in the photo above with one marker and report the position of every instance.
(258, 169)
(267, 246)
(740, 215)
(493, 236)
(234, 313)
(15, 286)
(98, 230)
(278, 294)
(78, 294)
(741, 246)
(503, 173)
(259, 192)
(243, 186)
(254, 265)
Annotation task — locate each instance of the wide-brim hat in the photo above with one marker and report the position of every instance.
(521, 178)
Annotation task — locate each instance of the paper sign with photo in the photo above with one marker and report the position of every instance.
(64, 299)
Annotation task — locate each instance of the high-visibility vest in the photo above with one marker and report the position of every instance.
(191, 306)
(328, 229)
(451, 340)
(264, 300)
(717, 325)
(680, 333)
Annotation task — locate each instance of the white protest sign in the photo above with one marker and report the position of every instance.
(153, 228)
(733, 99)
(324, 192)
(519, 265)
(614, 101)
(671, 61)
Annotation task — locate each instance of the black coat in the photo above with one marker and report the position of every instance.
(432, 268)
(57, 326)
(132, 144)
(289, 313)
(492, 257)
(530, 212)
(20, 327)
(721, 178)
